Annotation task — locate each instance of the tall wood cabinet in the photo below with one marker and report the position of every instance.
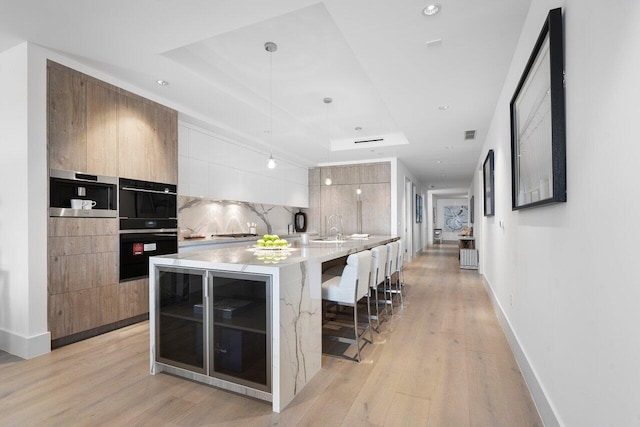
(149, 132)
(83, 274)
(100, 129)
(97, 128)
(82, 123)
(340, 198)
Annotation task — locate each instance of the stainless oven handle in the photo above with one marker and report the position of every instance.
(150, 230)
(148, 191)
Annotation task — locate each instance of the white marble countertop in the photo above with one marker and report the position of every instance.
(211, 240)
(248, 255)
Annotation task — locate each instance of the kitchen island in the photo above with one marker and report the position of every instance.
(247, 311)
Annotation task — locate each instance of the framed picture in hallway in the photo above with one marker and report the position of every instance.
(488, 184)
(538, 153)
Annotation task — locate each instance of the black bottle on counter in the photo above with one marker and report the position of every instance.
(300, 222)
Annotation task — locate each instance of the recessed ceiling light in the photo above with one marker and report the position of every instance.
(162, 82)
(443, 107)
(431, 10)
(448, 147)
(438, 161)
(432, 186)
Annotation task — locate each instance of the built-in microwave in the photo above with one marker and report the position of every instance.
(147, 200)
(82, 195)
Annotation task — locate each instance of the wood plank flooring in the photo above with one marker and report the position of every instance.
(441, 361)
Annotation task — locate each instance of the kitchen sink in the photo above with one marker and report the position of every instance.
(233, 235)
(328, 240)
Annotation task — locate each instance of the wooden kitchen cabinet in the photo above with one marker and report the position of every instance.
(147, 140)
(102, 135)
(83, 259)
(82, 122)
(340, 198)
(376, 208)
(67, 119)
(100, 129)
(133, 298)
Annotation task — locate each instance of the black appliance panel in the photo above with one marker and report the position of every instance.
(144, 199)
(136, 248)
(167, 224)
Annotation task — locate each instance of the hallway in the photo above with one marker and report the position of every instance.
(443, 360)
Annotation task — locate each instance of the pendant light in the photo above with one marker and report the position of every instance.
(327, 180)
(271, 47)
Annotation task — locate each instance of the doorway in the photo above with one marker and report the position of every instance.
(408, 218)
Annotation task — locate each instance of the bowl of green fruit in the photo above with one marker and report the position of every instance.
(271, 242)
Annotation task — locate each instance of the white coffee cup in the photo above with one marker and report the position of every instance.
(304, 238)
(77, 203)
(88, 204)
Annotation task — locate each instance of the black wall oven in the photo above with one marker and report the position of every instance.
(148, 225)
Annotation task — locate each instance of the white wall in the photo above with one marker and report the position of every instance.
(418, 229)
(23, 280)
(212, 167)
(566, 276)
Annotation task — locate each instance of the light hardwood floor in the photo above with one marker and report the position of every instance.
(442, 361)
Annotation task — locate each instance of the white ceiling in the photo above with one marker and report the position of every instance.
(371, 57)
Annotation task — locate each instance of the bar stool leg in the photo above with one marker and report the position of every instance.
(399, 289)
(355, 329)
(369, 317)
(389, 291)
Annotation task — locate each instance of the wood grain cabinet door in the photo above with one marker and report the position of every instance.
(67, 124)
(164, 151)
(376, 208)
(102, 135)
(147, 141)
(132, 132)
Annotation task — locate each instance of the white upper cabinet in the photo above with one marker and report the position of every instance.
(216, 169)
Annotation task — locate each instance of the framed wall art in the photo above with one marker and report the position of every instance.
(418, 208)
(471, 210)
(538, 147)
(488, 184)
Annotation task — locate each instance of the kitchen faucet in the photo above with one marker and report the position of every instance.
(337, 227)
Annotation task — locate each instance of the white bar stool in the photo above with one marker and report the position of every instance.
(392, 260)
(378, 277)
(400, 270)
(347, 290)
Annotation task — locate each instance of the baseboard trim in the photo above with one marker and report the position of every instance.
(25, 347)
(70, 339)
(545, 410)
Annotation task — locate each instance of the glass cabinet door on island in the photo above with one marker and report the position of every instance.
(180, 333)
(240, 321)
(215, 323)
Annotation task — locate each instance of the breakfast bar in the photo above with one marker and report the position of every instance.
(245, 319)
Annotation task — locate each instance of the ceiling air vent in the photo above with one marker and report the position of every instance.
(469, 134)
(368, 140)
